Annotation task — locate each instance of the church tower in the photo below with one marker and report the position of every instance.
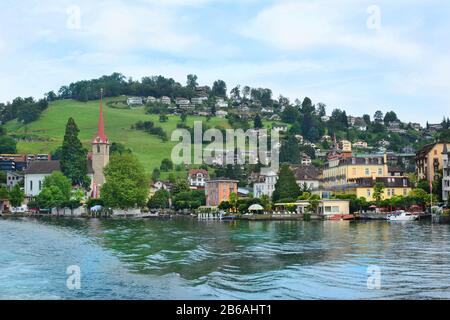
(100, 151)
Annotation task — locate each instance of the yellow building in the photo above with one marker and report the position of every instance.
(345, 146)
(339, 172)
(429, 161)
(365, 187)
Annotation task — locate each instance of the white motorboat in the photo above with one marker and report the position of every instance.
(403, 216)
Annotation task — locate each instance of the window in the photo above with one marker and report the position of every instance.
(40, 185)
(369, 193)
(367, 172)
(98, 148)
(31, 185)
(380, 171)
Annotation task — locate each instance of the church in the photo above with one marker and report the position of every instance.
(97, 160)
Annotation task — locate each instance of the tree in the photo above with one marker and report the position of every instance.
(290, 114)
(117, 147)
(156, 174)
(180, 186)
(163, 118)
(286, 186)
(378, 191)
(166, 165)
(378, 116)
(183, 117)
(16, 196)
(219, 89)
(257, 122)
(366, 118)
(74, 156)
(236, 93)
(160, 200)
(233, 201)
(126, 183)
(390, 117)
(191, 82)
(56, 191)
(290, 151)
(7, 145)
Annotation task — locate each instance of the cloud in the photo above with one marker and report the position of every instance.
(302, 25)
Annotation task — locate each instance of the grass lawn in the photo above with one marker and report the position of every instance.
(149, 149)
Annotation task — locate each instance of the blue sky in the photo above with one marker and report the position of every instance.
(353, 54)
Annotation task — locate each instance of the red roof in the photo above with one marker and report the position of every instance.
(100, 137)
(197, 171)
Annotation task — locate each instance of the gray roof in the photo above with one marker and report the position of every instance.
(48, 167)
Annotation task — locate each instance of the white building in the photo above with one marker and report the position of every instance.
(360, 144)
(307, 176)
(134, 101)
(221, 103)
(198, 100)
(165, 100)
(221, 113)
(305, 160)
(280, 128)
(35, 174)
(197, 178)
(266, 186)
(13, 178)
(446, 173)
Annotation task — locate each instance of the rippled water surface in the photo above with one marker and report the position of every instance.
(186, 259)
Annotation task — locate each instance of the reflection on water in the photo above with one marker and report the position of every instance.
(183, 258)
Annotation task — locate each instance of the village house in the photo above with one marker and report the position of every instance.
(221, 103)
(429, 161)
(165, 100)
(307, 176)
(221, 113)
(197, 178)
(151, 99)
(280, 128)
(395, 127)
(265, 185)
(134, 101)
(183, 103)
(339, 172)
(13, 178)
(345, 146)
(416, 126)
(202, 91)
(198, 100)
(446, 173)
(365, 187)
(360, 144)
(325, 118)
(305, 159)
(159, 185)
(219, 190)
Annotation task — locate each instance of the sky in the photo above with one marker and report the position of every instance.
(356, 55)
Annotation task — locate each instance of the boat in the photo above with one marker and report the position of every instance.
(340, 217)
(403, 216)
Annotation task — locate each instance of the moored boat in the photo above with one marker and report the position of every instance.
(403, 216)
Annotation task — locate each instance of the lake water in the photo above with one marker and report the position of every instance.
(187, 259)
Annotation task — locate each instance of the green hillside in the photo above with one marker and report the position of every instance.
(47, 133)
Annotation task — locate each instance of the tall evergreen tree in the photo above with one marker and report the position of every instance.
(73, 155)
(257, 122)
(286, 186)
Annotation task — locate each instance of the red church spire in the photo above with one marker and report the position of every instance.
(101, 137)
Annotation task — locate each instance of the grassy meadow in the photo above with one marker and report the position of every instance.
(148, 148)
